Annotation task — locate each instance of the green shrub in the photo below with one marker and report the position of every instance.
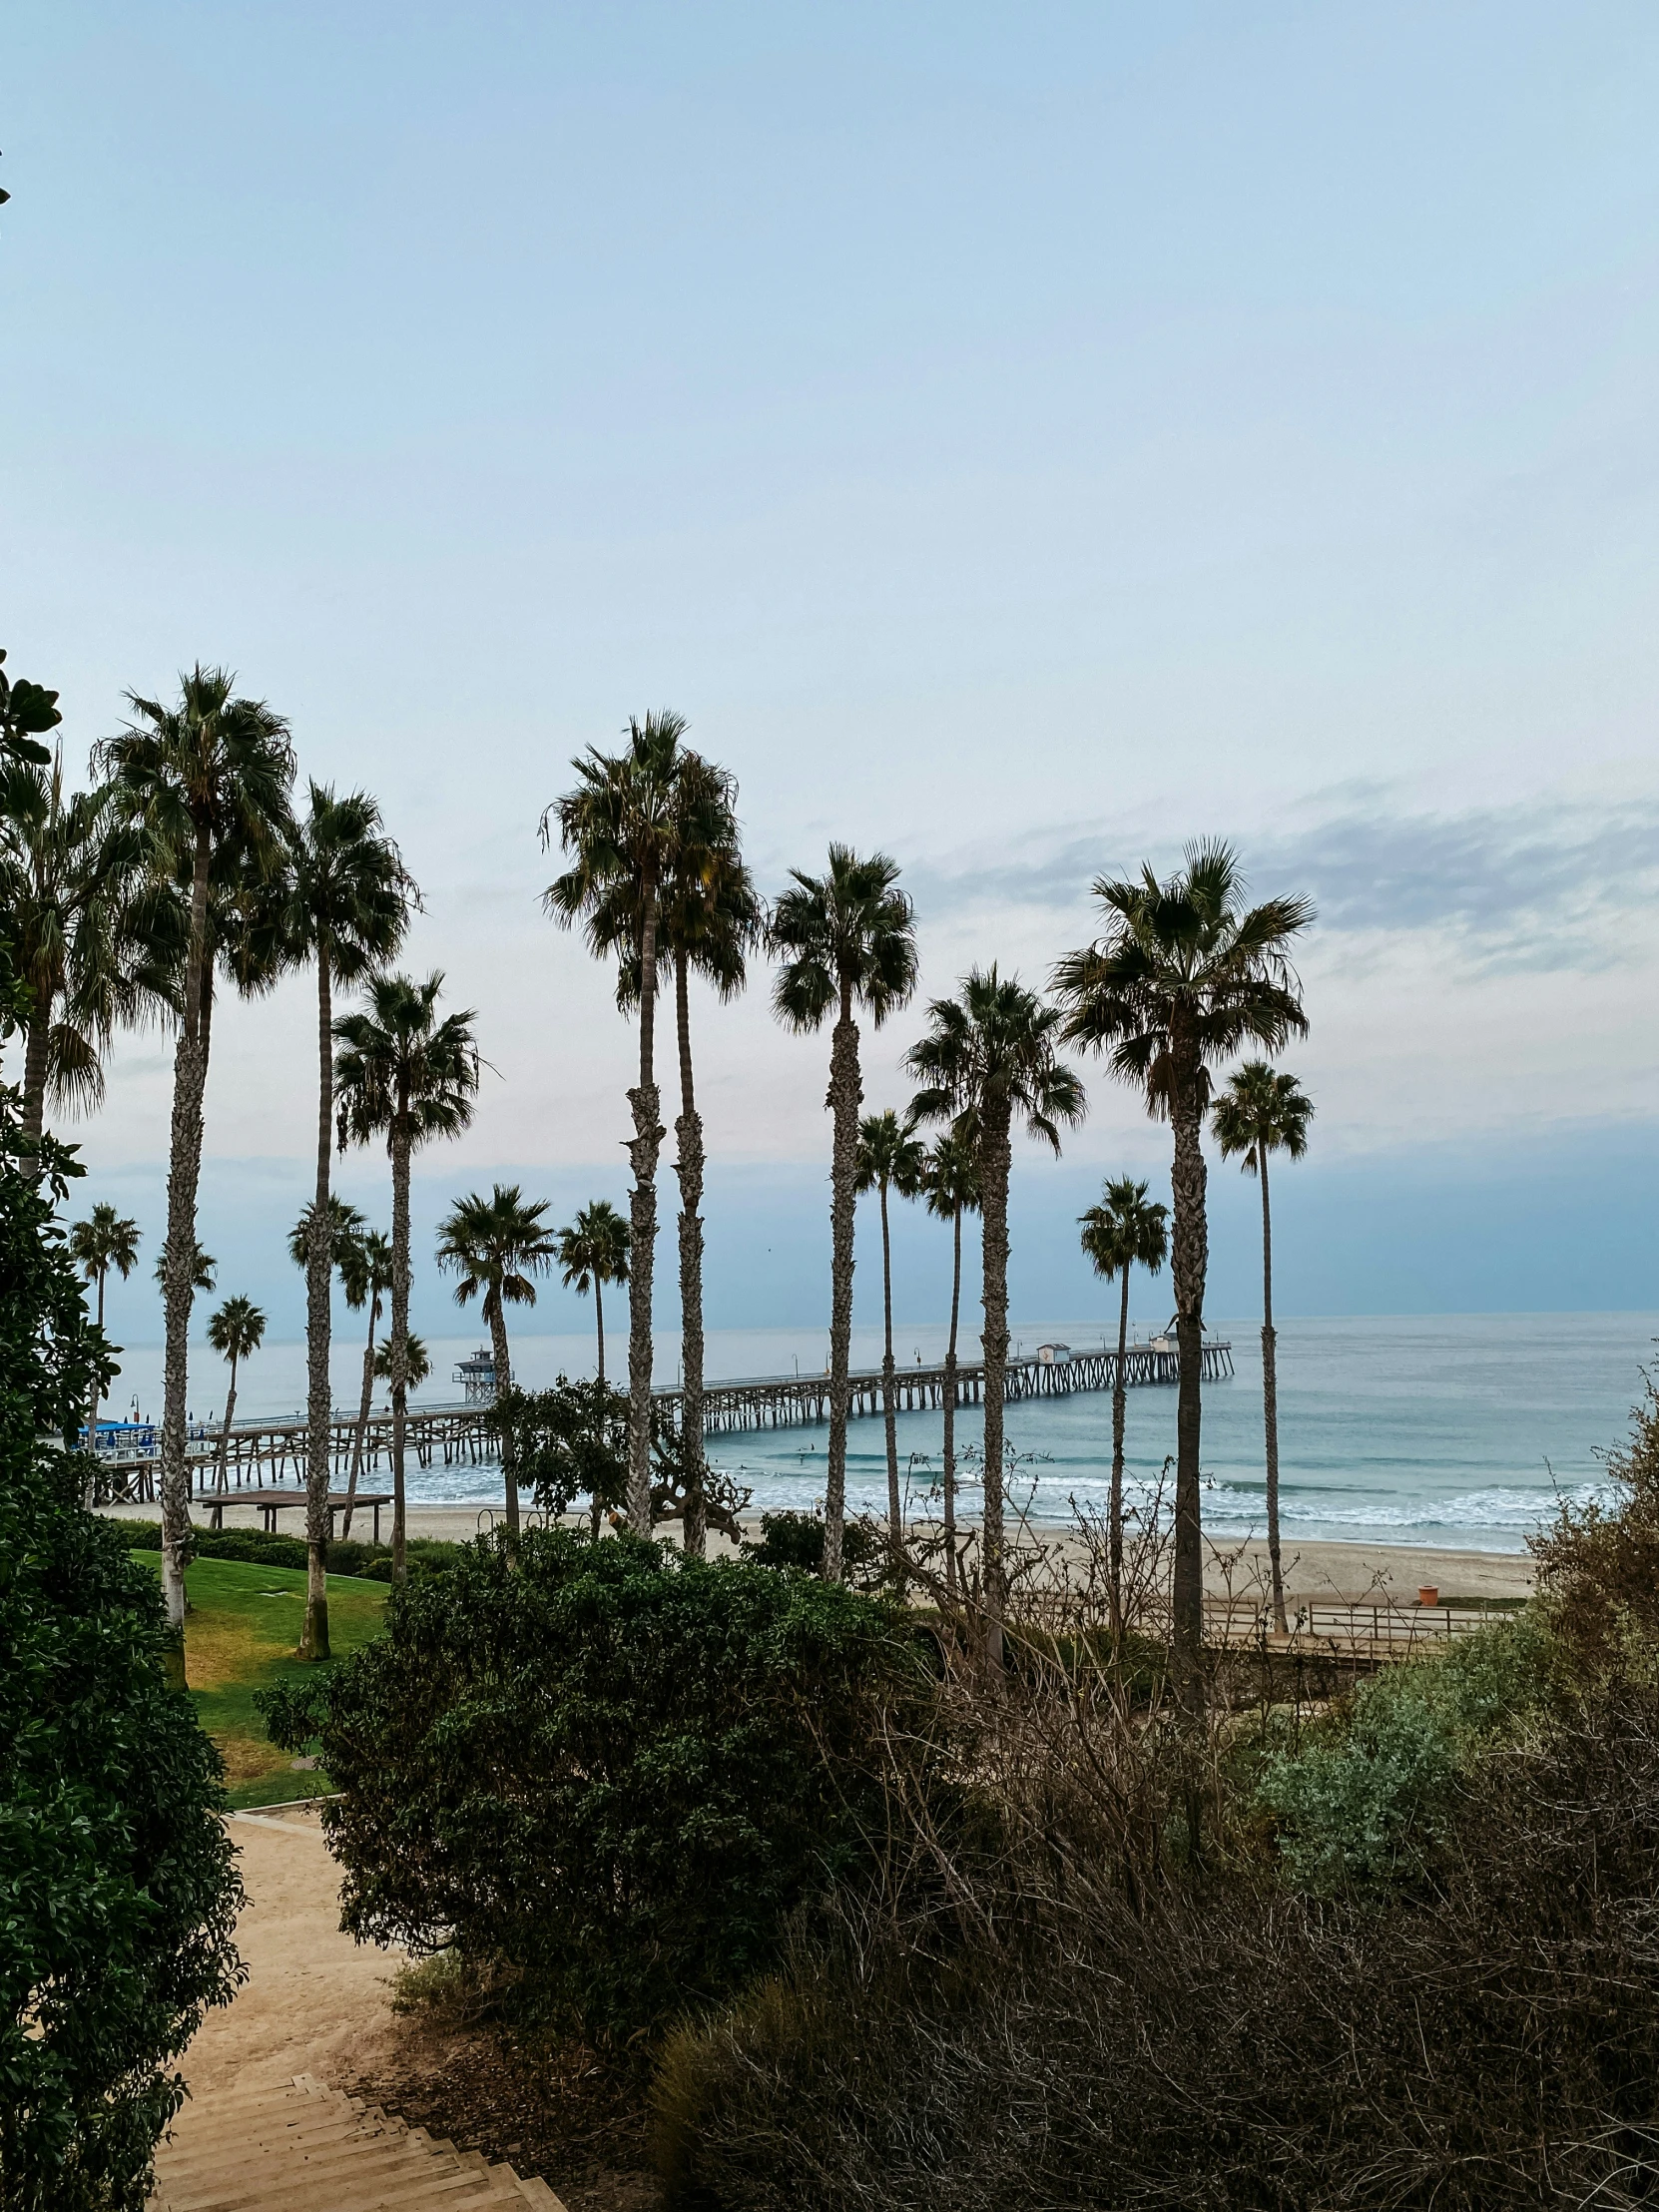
(797, 1540)
(614, 1770)
(261, 1548)
(118, 1894)
(1368, 1791)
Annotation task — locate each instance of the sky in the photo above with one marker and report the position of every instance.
(1022, 439)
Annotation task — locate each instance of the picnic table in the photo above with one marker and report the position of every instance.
(271, 1503)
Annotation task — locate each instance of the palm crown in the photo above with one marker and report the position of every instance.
(348, 895)
(346, 1226)
(594, 1247)
(203, 1269)
(989, 1052)
(236, 1328)
(397, 1063)
(845, 939)
(496, 1245)
(953, 1177)
(1127, 1230)
(1261, 1111)
(890, 1157)
(1184, 967)
(364, 1267)
(105, 1239)
(620, 826)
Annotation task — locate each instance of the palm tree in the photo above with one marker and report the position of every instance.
(365, 1277)
(847, 941)
(200, 1269)
(417, 1362)
(889, 1158)
(403, 1074)
(347, 1225)
(592, 1250)
(346, 908)
(66, 872)
(952, 1187)
(620, 827)
(1126, 1230)
(1184, 975)
(235, 1331)
(988, 1056)
(105, 1239)
(709, 916)
(208, 779)
(497, 1246)
(1260, 1112)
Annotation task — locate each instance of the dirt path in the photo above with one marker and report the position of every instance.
(315, 2000)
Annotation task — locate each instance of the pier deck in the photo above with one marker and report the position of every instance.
(260, 1453)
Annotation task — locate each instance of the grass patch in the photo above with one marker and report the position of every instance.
(240, 1636)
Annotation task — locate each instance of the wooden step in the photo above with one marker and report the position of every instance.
(298, 2146)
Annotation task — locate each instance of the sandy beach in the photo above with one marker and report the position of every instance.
(1320, 1572)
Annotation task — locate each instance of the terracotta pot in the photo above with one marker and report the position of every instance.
(1430, 1594)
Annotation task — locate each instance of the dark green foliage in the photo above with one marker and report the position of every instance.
(262, 1549)
(118, 1895)
(797, 1540)
(613, 1771)
(567, 1443)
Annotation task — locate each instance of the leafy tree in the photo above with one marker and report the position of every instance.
(551, 1768)
(118, 1890)
(889, 1158)
(1260, 1112)
(27, 712)
(365, 1277)
(592, 1250)
(103, 1241)
(953, 1188)
(987, 1056)
(66, 870)
(346, 907)
(402, 1074)
(846, 941)
(235, 1331)
(1125, 1231)
(498, 1246)
(621, 826)
(1185, 976)
(208, 779)
(567, 1443)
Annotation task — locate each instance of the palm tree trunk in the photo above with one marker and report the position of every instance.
(400, 1324)
(951, 1405)
(599, 1321)
(687, 1131)
(319, 1266)
(1270, 1395)
(190, 1080)
(846, 1095)
(995, 1165)
(37, 1051)
(1189, 1266)
(362, 1414)
(1114, 1510)
(642, 1209)
(496, 1315)
(222, 1481)
(889, 1412)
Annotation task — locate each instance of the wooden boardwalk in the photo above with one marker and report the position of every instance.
(267, 1453)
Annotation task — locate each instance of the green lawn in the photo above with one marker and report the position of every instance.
(240, 1635)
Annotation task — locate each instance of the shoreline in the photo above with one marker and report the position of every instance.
(1323, 1569)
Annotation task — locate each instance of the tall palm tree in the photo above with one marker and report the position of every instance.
(365, 1277)
(347, 905)
(402, 1074)
(987, 1056)
(1125, 1231)
(620, 826)
(709, 917)
(846, 941)
(67, 867)
(889, 1158)
(417, 1362)
(592, 1250)
(235, 1331)
(952, 1187)
(1184, 975)
(498, 1246)
(103, 1241)
(347, 1229)
(1262, 1111)
(208, 779)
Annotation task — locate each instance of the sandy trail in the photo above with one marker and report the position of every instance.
(315, 2000)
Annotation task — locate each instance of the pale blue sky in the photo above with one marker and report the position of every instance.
(1024, 438)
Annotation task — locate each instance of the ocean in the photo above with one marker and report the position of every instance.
(1459, 1429)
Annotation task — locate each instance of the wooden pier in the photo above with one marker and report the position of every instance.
(266, 1454)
